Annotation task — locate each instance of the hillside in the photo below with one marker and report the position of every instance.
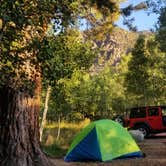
(113, 46)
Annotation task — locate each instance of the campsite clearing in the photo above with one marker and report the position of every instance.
(102, 140)
(153, 147)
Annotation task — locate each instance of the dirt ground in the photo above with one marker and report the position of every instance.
(154, 147)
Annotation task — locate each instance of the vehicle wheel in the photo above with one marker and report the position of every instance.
(119, 119)
(145, 131)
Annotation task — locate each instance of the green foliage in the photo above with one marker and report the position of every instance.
(90, 96)
(106, 10)
(145, 80)
(62, 54)
(136, 78)
(100, 17)
(25, 51)
(23, 25)
(96, 96)
(161, 35)
(120, 100)
(156, 72)
(58, 105)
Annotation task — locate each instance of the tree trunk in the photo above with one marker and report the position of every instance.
(19, 129)
(59, 128)
(45, 111)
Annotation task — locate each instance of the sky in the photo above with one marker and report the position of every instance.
(142, 20)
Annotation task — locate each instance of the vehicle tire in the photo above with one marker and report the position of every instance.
(119, 119)
(144, 129)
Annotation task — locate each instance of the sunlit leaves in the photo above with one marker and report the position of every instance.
(100, 16)
(161, 35)
(62, 54)
(146, 77)
(137, 77)
(23, 25)
(96, 96)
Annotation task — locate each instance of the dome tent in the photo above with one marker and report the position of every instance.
(102, 140)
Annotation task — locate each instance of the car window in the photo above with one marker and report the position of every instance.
(164, 111)
(153, 112)
(138, 113)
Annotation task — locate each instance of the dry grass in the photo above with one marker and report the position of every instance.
(58, 147)
(69, 125)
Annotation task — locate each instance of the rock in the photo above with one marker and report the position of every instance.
(137, 135)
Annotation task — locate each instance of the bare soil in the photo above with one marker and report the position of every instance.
(154, 147)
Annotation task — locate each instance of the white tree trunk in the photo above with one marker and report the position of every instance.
(45, 111)
(59, 128)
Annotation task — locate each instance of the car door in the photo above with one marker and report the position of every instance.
(154, 118)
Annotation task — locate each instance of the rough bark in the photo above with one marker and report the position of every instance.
(19, 129)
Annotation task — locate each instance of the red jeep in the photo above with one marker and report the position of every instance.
(149, 119)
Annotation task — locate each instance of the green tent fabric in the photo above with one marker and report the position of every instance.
(102, 140)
